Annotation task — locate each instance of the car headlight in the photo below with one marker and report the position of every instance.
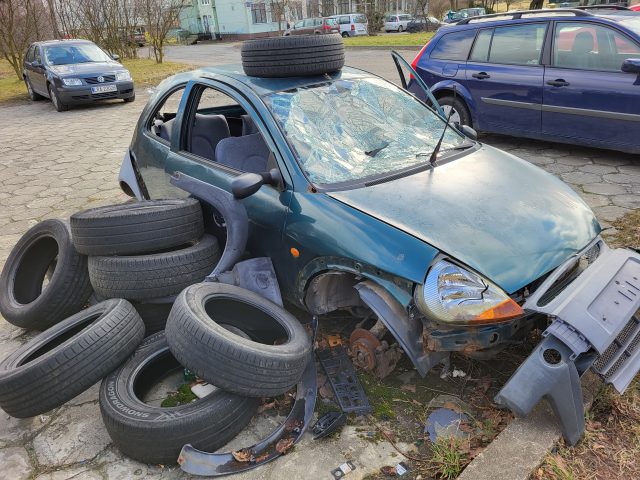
(72, 82)
(453, 294)
(122, 76)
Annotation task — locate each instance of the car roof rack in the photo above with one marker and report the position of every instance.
(516, 15)
(603, 7)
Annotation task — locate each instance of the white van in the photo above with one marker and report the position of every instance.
(397, 23)
(352, 24)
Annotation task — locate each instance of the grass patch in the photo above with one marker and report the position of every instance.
(449, 456)
(145, 72)
(628, 230)
(408, 40)
(11, 89)
(183, 396)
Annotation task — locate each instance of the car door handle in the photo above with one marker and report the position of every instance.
(481, 75)
(558, 83)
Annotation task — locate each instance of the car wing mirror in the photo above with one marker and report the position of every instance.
(115, 56)
(36, 64)
(247, 184)
(631, 65)
(467, 131)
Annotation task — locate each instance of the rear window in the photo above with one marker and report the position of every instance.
(454, 46)
(359, 19)
(391, 19)
(331, 21)
(480, 52)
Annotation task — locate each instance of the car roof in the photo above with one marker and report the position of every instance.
(607, 12)
(69, 41)
(264, 86)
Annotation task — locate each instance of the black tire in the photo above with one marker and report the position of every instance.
(459, 106)
(137, 227)
(154, 315)
(32, 94)
(400, 29)
(256, 367)
(293, 56)
(153, 434)
(132, 98)
(345, 34)
(68, 358)
(23, 301)
(143, 277)
(55, 100)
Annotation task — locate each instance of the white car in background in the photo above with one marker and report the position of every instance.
(397, 23)
(352, 24)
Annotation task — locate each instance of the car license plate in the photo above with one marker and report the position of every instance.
(104, 89)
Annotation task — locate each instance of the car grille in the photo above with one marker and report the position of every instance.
(94, 80)
(615, 357)
(586, 259)
(104, 95)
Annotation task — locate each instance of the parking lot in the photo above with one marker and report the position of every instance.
(54, 164)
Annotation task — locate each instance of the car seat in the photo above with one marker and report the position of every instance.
(206, 133)
(248, 153)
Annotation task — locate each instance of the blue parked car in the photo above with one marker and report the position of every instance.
(570, 76)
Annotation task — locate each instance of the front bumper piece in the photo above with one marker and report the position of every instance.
(595, 325)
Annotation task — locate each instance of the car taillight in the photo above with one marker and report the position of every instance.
(353, 27)
(326, 27)
(414, 64)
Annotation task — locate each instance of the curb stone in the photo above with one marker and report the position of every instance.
(521, 447)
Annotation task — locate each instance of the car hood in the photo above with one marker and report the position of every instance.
(502, 216)
(85, 68)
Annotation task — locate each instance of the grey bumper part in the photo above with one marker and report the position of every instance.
(595, 325)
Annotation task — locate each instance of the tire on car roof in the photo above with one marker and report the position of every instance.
(45, 250)
(269, 363)
(293, 56)
(67, 359)
(153, 434)
(157, 275)
(138, 227)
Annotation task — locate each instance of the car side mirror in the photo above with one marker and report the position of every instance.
(468, 132)
(631, 65)
(115, 56)
(36, 64)
(249, 183)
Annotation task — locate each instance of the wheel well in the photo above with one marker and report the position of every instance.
(446, 92)
(332, 290)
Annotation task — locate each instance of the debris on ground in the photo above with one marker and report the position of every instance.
(343, 470)
(182, 396)
(445, 423)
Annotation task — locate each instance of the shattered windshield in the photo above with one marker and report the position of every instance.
(347, 130)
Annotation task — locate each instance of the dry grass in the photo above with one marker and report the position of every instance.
(391, 40)
(145, 72)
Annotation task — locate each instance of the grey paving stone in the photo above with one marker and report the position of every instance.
(580, 178)
(76, 435)
(598, 169)
(14, 463)
(610, 213)
(623, 178)
(595, 200)
(558, 168)
(626, 201)
(75, 473)
(605, 189)
(574, 161)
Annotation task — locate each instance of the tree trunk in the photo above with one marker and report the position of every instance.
(536, 4)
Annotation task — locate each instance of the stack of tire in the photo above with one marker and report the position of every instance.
(145, 252)
(143, 262)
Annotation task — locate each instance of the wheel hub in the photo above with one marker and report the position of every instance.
(363, 349)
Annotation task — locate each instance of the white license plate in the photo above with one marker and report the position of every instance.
(104, 89)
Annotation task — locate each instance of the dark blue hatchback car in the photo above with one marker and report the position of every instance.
(566, 75)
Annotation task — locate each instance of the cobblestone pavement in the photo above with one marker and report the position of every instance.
(53, 164)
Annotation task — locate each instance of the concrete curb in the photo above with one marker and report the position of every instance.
(521, 447)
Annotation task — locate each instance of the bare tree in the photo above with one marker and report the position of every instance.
(21, 22)
(279, 9)
(159, 17)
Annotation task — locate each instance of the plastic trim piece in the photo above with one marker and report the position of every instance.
(233, 212)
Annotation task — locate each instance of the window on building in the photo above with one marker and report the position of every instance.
(205, 2)
(258, 13)
(454, 46)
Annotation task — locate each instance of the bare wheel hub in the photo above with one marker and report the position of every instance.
(363, 348)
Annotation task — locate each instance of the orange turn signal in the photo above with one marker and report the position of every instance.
(503, 311)
(294, 252)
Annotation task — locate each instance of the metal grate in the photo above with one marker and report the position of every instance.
(94, 80)
(615, 356)
(104, 95)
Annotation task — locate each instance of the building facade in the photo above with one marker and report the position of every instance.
(240, 20)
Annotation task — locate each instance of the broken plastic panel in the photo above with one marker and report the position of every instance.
(347, 130)
(328, 423)
(344, 381)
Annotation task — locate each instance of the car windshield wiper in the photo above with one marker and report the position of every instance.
(374, 152)
(464, 146)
